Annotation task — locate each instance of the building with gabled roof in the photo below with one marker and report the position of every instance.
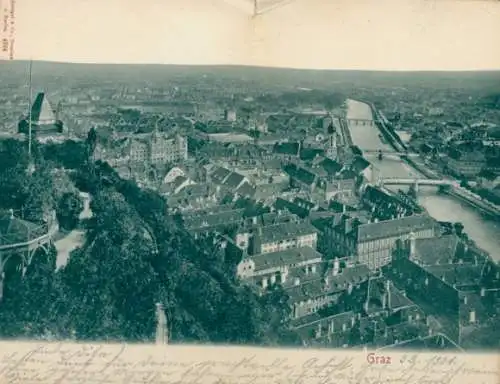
(436, 342)
(470, 285)
(154, 148)
(374, 243)
(282, 236)
(273, 267)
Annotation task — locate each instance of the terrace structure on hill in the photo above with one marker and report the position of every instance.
(20, 240)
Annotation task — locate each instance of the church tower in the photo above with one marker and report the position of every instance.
(331, 144)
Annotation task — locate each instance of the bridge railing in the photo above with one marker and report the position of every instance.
(24, 236)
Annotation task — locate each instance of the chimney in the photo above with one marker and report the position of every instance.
(483, 292)
(254, 220)
(336, 267)
(264, 282)
(296, 281)
(412, 244)
(11, 211)
(347, 224)
(273, 279)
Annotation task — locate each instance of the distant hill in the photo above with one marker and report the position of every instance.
(271, 77)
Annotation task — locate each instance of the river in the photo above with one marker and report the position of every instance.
(483, 230)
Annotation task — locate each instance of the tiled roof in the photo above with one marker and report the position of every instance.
(195, 220)
(347, 174)
(283, 204)
(233, 180)
(349, 275)
(398, 300)
(291, 149)
(434, 342)
(300, 174)
(310, 153)
(457, 274)
(264, 191)
(304, 203)
(220, 174)
(359, 164)
(286, 257)
(179, 181)
(436, 250)
(308, 290)
(246, 189)
(278, 122)
(331, 166)
(393, 228)
(195, 190)
(285, 231)
(311, 321)
(331, 220)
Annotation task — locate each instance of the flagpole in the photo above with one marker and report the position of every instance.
(29, 109)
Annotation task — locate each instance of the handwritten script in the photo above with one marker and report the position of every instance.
(108, 363)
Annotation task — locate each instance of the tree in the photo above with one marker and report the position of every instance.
(37, 195)
(13, 178)
(134, 256)
(458, 227)
(412, 192)
(68, 210)
(91, 143)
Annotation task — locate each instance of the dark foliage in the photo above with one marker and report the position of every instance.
(69, 208)
(134, 256)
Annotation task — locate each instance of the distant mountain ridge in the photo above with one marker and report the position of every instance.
(269, 76)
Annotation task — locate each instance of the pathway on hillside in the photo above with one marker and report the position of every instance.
(75, 238)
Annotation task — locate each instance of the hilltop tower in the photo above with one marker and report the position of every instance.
(42, 118)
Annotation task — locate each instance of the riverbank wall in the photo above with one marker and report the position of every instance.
(484, 208)
(387, 132)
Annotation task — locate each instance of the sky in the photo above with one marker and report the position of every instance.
(314, 34)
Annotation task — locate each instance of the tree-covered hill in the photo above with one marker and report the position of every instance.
(134, 256)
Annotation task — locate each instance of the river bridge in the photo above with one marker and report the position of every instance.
(453, 189)
(389, 154)
(357, 121)
(416, 182)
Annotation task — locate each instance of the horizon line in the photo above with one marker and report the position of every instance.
(255, 66)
